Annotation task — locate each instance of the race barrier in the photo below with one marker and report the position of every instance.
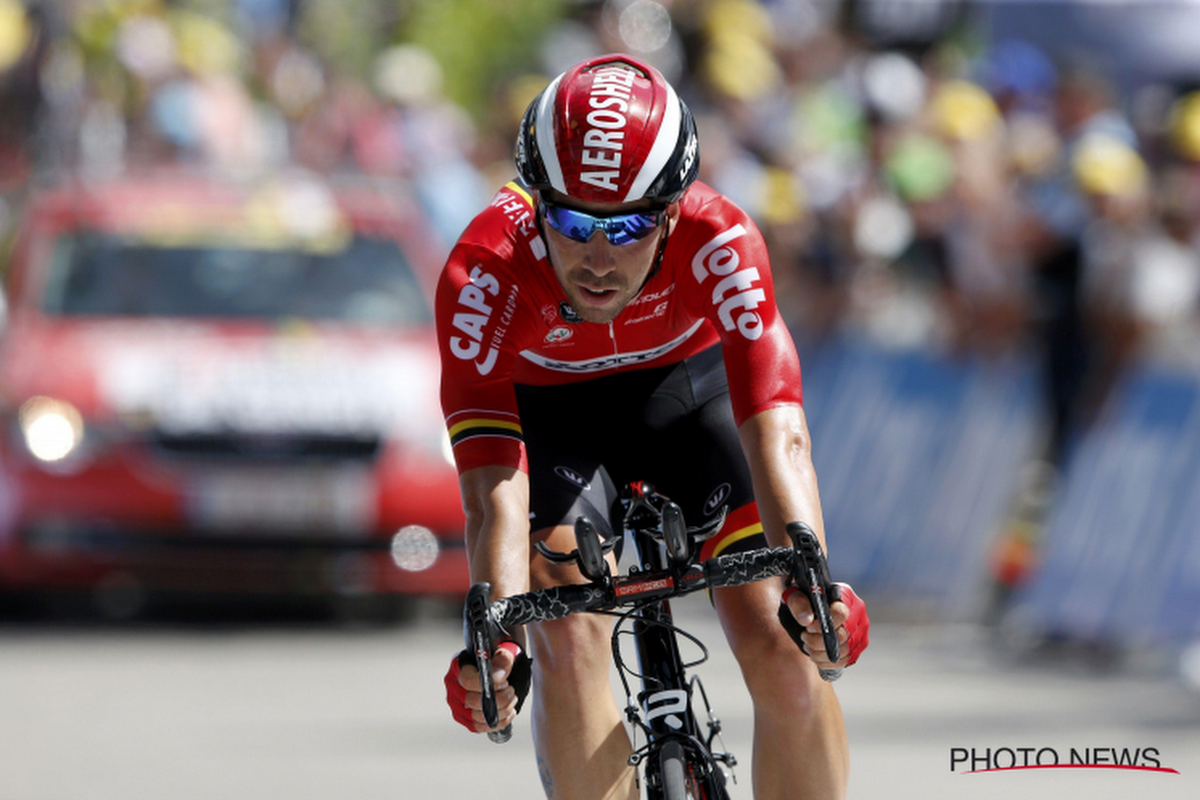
(918, 458)
(1121, 552)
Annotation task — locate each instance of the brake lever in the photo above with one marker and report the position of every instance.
(811, 576)
(480, 631)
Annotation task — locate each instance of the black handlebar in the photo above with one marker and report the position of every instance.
(557, 602)
(804, 562)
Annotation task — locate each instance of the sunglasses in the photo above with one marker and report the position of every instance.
(619, 229)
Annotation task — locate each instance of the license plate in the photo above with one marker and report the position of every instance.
(326, 501)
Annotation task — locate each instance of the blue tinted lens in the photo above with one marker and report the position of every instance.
(619, 229)
(631, 227)
(572, 224)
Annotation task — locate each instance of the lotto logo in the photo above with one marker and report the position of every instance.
(735, 292)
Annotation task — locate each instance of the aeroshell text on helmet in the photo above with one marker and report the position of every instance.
(604, 138)
(735, 292)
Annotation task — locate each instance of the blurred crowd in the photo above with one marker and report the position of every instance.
(936, 188)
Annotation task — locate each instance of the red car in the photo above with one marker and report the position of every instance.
(210, 386)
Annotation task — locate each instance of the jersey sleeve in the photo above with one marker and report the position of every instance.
(478, 322)
(730, 283)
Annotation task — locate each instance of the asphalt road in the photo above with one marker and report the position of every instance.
(300, 711)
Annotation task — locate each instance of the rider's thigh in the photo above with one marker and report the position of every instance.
(774, 668)
(576, 648)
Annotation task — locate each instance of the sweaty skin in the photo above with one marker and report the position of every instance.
(800, 747)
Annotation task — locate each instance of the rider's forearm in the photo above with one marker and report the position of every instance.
(496, 502)
(779, 451)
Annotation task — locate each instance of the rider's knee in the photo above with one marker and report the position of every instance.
(572, 646)
(777, 674)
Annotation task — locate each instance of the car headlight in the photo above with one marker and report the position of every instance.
(414, 548)
(53, 429)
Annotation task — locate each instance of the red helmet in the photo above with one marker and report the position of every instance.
(609, 130)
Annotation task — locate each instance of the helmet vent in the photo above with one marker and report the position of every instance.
(616, 62)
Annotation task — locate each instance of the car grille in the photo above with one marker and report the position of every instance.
(270, 448)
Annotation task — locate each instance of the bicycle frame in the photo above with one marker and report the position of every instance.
(666, 712)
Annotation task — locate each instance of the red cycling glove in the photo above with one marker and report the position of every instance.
(456, 693)
(858, 624)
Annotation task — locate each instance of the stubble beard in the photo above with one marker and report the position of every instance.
(589, 312)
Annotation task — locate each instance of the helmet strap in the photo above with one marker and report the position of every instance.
(537, 220)
(658, 256)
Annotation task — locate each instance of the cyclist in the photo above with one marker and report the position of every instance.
(606, 319)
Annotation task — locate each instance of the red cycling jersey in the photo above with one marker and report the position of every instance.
(502, 318)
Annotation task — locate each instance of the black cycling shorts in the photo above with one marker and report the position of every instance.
(672, 426)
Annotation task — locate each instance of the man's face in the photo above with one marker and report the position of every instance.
(598, 277)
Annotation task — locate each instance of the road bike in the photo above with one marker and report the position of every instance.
(678, 760)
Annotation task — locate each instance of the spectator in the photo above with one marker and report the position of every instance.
(1055, 220)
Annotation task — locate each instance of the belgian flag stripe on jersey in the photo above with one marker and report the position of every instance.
(513, 186)
(484, 427)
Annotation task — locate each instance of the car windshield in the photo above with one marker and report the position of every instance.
(363, 281)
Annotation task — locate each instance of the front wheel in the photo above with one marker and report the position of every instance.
(678, 780)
